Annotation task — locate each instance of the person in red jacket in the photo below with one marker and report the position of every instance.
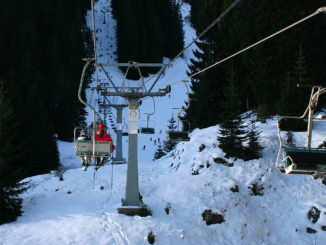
(102, 136)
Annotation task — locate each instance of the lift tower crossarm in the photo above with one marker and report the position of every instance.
(133, 64)
(136, 95)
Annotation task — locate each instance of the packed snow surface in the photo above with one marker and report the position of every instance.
(177, 188)
(72, 212)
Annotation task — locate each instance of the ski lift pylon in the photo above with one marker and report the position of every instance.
(304, 160)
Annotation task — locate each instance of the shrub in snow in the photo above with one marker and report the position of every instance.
(220, 160)
(208, 164)
(195, 172)
(167, 208)
(323, 227)
(151, 237)
(323, 181)
(144, 211)
(201, 147)
(256, 189)
(212, 218)
(313, 214)
(235, 189)
(310, 230)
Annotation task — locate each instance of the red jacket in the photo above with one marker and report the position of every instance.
(105, 138)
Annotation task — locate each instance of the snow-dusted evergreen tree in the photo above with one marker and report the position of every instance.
(167, 144)
(11, 162)
(253, 149)
(159, 152)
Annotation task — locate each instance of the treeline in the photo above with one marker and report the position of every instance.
(147, 30)
(265, 78)
(42, 44)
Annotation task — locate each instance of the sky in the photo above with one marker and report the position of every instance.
(82, 209)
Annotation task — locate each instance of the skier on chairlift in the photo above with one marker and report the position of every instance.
(102, 136)
(85, 161)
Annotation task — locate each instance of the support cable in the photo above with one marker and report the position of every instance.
(318, 11)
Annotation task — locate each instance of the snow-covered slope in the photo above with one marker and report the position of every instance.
(187, 183)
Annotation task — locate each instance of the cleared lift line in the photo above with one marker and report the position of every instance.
(217, 20)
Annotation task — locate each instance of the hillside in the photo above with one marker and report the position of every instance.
(188, 183)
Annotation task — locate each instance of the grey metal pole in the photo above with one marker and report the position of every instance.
(118, 152)
(132, 189)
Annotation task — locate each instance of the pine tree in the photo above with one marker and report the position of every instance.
(167, 144)
(159, 152)
(12, 162)
(232, 132)
(253, 149)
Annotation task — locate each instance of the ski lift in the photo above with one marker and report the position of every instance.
(84, 147)
(88, 147)
(179, 135)
(148, 129)
(304, 160)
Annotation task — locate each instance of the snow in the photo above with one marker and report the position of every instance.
(73, 212)
(89, 216)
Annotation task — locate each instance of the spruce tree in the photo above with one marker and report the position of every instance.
(232, 132)
(12, 162)
(169, 145)
(253, 149)
(159, 152)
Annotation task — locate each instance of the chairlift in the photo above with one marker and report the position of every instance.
(180, 135)
(304, 160)
(89, 147)
(84, 147)
(149, 129)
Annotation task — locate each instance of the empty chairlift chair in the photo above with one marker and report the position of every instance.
(304, 160)
(149, 129)
(179, 135)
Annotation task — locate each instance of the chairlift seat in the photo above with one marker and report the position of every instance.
(85, 148)
(147, 130)
(178, 135)
(305, 161)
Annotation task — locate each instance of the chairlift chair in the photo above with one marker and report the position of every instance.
(304, 160)
(148, 129)
(85, 147)
(179, 135)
